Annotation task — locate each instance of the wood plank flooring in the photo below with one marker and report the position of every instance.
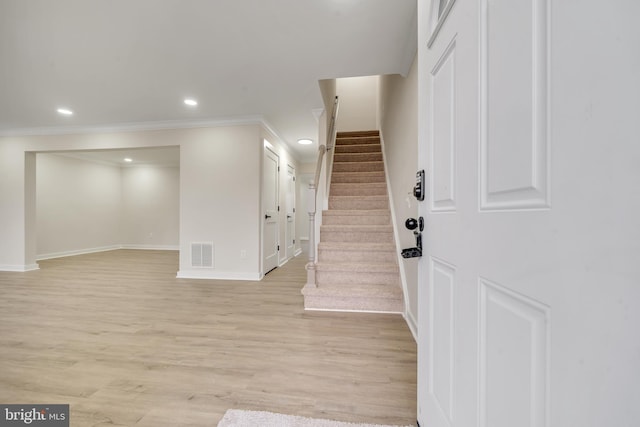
(125, 343)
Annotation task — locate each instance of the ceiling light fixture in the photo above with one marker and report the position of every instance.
(191, 102)
(65, 111)
(128, 160)
(305, 141)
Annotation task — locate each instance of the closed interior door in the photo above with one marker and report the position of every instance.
(270, 246)
(291, 211)
(529, 299)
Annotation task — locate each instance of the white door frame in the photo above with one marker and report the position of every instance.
(270, 214)
(290, 213)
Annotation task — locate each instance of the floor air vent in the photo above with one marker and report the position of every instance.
(202, 255)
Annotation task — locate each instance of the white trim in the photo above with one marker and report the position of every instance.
(411, 322)
(151, 247)
(396, 234)
(353, 311)
(19, 268)
(74, 252)
(150, 126)
(284, 261)
(138, 126)
(297, 252)
(217, 275)
(439, 22)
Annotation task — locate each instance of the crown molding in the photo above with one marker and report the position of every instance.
(136, 126)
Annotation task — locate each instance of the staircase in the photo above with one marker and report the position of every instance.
(357, 265)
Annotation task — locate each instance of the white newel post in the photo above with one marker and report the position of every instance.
(311, 265)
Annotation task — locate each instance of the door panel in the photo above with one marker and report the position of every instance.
(291, 212)
(514, 57)
(270, 209)
(528, 304)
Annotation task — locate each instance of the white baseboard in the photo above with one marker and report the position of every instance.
(298, 252)
(152, 247)
(352, 311)
(412, 323)
(19, 268)
(74, 252)
(77, 252)
(217, 275)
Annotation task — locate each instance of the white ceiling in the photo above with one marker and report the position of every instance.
(132, 62)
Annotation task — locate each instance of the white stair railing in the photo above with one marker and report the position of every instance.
(312, 196)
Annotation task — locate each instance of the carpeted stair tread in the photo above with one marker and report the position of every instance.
(354, 252)
(357, 157)
(357, 148)
(360, 176)
(358, 140)
(358, 202)
(349, 267)
(361, 197)
(365, 291)
(357, 266)
(373, 166)
(357, 217)
(355, 212)
(359, 228)
(357, 247)
(358, 188)
(357, 133)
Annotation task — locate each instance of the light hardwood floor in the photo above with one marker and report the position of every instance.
(125, 343)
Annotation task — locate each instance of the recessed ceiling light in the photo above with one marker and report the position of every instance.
(128, 160)
(305, 141)
(191, 102)
(65, 111)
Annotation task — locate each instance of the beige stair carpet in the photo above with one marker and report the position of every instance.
(357, 266)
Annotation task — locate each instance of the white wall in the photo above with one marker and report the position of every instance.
(78, 206)
(219, 192)
(150, 207)
(13, 183)
(220, 199)
(358, 103)
(399, 128)
(83, 206)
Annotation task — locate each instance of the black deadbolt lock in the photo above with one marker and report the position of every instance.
(411, 223)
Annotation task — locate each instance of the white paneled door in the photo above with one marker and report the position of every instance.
(529, 293)
(270, 208)
(290, 201)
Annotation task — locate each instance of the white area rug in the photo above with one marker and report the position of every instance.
(239, 418)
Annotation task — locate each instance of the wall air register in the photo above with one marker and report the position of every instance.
(202, 255)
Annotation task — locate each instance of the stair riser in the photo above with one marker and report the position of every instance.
(355, 237)
(369, 189)
(352, 203)
(354, 133)
(358, 148)
(345, 303)
(356, 219)
(334, 255)
(358, 167)
(360, 278)
(358, 141)
(361, 177)
(357, 157)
